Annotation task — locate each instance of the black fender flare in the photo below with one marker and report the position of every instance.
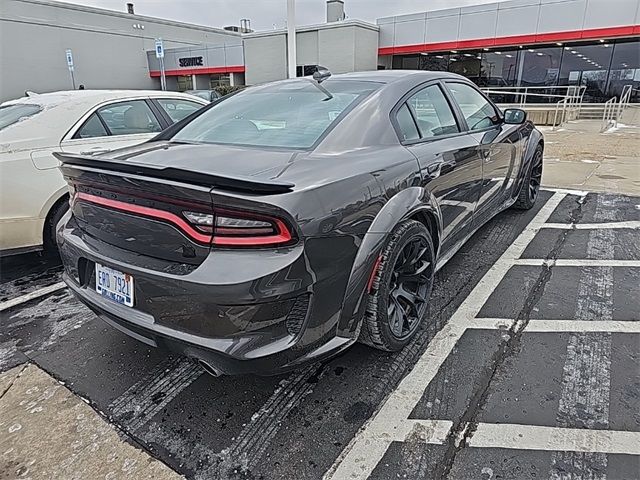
(405, 204)
(535, 138)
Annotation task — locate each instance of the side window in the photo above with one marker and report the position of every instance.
(178, 109)
(92, 128)
(129, 118)
(408, 129)
(476, 109)
(433, 113)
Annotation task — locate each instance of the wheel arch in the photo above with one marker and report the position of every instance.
(535, 139)
(411, 203)
(53, 205)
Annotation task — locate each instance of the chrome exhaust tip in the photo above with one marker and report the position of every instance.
(213, 371)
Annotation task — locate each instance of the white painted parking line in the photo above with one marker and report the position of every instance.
(593, 226)
(586, 374)
(363, 453)
(535, 437)
(567, 191)
(41, 292)
(564, 262)
(541, 326)
(520, 437)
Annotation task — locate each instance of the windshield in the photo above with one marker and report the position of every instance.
(288, 115)
(11, 114)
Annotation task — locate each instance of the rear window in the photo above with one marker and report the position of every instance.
(11, 114)
(288, 115)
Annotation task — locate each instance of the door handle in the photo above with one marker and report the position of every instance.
(95, 151)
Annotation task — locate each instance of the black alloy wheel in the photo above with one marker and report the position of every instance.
(531, 186)
(401, 288)
(408, 289)
(536, 176)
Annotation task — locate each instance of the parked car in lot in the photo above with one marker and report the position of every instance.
(280, 226)
(33, 194)
(208, 95)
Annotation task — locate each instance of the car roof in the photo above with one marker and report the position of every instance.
(53, 99)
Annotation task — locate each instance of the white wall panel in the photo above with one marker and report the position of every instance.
(307, 48)
(442, 29)
(336, 49)
(411, 32)
(386, 35)
(478, 25)
(265, 58)
(517, 20)
(234, 55)
(604, 13)
(560, 16)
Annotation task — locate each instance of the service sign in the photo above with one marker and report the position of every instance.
(191, 62)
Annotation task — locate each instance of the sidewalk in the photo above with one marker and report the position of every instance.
(578, 156)
(48, 432)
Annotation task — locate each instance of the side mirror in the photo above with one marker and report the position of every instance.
(515, 116)
(321, 74)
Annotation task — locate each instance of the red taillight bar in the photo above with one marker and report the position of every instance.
(283, 235)
(148, 212)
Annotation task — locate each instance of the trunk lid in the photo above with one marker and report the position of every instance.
(223, 160)
(142, 202)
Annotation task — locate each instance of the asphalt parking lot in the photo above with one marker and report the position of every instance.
(528, 367)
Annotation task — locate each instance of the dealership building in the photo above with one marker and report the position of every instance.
(514, 43)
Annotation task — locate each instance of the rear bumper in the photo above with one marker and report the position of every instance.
(237, 317)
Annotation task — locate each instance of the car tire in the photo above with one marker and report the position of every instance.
(391, 319)
(50, 243)
(532, 180)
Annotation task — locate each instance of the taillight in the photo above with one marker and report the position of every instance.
(220, 227)
(240, 229)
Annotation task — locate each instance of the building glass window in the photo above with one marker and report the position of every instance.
(539, 67)
(185, 82)
(625, 69)
(604, 68)
(219, 80)
(467, 64)
(498, 69)
(434, 61)
(587, 65)
(305, 70)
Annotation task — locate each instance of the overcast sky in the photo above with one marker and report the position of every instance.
(265, 13)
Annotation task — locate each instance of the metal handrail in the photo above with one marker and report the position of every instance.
(609, 114)
(625, 98)
(547, 87)
(574, 94)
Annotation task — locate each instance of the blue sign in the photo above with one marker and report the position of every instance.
(159, 48)
(69, 59)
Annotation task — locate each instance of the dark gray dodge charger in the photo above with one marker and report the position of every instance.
(280, 225)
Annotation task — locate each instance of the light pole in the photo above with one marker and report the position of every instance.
(291, 38)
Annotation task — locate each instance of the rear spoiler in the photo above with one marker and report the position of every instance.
(242, 184)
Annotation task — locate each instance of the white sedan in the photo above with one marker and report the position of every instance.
(33, 194)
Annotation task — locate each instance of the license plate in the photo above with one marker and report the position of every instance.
(115, 285)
